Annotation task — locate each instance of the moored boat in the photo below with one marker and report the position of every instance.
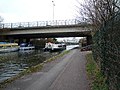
(25, 46)
(54, 46)
(8, 47)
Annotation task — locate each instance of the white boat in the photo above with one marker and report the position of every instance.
(8, 47)
(25, 46)
(70, 47)
(54, 46)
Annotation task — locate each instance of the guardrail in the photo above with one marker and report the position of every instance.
(40, 23)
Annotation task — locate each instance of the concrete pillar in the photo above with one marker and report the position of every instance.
(89, 40)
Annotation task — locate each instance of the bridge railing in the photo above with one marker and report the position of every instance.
(40, 23)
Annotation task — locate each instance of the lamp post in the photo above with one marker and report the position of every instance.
(53, 9)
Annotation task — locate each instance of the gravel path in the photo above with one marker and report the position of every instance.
(65, 73)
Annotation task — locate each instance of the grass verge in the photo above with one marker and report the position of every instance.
(97, 80)
(31, 69)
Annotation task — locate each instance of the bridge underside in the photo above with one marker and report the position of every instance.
(49, 35)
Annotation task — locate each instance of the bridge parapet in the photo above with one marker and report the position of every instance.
(41, 23)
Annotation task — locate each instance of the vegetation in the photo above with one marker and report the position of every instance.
(104, 16)
(98, 12)
(98, 81)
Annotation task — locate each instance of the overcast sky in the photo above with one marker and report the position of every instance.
(37, 10)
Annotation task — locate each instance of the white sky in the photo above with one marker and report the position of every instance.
(37, 10)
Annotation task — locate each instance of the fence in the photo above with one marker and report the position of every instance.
(41, 23)
(106, 50)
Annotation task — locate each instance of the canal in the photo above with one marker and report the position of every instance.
(14, 62)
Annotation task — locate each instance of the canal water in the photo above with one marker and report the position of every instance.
(14, 62)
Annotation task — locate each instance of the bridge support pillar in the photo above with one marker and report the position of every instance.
(89, 40)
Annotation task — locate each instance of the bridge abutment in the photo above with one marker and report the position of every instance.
(89, 40)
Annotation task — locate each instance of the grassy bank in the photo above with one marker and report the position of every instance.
(97, 80)
(31, 69)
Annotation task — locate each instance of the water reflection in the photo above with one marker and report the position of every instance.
(14, 62)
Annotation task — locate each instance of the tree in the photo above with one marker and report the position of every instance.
(98, 12)
(52, 40)
(104, 16)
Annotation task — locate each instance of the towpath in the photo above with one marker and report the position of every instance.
(65, 73)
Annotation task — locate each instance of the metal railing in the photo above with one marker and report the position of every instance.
(40, 23)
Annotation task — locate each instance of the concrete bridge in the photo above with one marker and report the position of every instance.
(45, 29)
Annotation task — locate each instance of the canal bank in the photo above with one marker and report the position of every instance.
(33, 69)
(13, 63)
(64, 73)
(16, 64)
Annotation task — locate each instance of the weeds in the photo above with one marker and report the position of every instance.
(98, 81)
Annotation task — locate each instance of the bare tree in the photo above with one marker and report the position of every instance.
(98, 12)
